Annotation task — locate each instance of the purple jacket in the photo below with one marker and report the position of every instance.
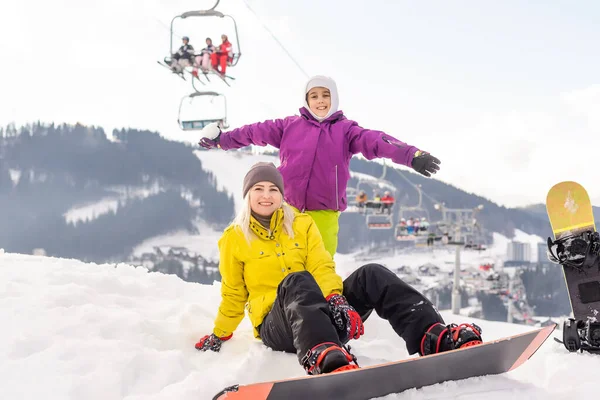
(315, 156)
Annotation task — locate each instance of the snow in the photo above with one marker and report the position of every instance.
(15, 175)
(91, 211)
(443, 257)
(203, 243)
(372, 181)
(79, 330)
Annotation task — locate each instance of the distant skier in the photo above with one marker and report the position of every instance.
(274, 264)
(203, 59)
(361, 199)
(402, 226)
(387, 202)
(410, 226)
(315, 149)
(222, 55)
(184, 56)
(424, 225)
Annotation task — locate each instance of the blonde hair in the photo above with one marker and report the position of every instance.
(242, 219)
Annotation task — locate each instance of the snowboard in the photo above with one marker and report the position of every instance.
(494, 357)
(570, 213)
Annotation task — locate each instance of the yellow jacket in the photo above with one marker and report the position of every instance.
(251, 272)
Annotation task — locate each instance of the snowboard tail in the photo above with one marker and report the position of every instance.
(493, 357)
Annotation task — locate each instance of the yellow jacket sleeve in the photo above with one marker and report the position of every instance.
(320, 263)
(234, 294)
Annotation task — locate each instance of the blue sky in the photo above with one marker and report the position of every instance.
(500, 91)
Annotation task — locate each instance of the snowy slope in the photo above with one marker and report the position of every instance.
(83, 331)
(122, 194)
(203, 243)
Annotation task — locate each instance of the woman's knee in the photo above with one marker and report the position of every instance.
(374, 269)
(302, 278)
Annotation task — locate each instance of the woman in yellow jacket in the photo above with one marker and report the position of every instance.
(274, 264)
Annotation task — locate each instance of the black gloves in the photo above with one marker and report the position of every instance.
(425, 164)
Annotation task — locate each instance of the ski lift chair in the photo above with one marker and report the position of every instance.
(401, 234)
(235, 56)
(379, 221)
(194, 124)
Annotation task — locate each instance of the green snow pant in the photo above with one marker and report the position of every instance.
(328, 223)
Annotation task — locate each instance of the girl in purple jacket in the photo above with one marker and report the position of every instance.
(315, 149)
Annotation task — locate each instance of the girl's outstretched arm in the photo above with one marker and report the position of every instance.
(258, 134)
(377, 144)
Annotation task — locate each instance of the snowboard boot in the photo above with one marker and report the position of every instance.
(328, 357)
(439, 338)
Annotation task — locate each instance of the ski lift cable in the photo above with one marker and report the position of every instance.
(166, 27)
(415, 186)
(276, 40)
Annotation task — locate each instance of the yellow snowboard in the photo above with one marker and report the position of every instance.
(569, 209)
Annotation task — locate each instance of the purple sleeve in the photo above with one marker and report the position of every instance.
(259, 134)
(377, 144)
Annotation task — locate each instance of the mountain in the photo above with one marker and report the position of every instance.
(74, 193)
(88, 331)
(354, 233)
(539, 210)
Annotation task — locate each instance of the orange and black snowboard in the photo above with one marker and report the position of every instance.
(494, 357)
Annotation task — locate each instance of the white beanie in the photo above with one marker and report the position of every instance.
(326, 82)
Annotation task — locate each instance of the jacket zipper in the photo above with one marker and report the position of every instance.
(337, 198)
(312, 165)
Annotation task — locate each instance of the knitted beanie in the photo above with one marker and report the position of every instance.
(263, 171)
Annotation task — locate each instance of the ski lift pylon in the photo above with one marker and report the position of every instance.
(192, 124)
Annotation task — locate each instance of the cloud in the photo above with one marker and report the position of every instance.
(585, 103)
(96, 64)
(514, 157)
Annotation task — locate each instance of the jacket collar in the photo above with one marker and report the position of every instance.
(275, 229)
(332, 118)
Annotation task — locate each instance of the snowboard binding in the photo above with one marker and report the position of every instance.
(581, 336)
(579, 251)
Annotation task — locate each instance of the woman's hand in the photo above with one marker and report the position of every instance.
(211, 342)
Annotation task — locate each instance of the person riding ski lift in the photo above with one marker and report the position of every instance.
(410, 225)
(387, 202)
(402, 226)
(203, 59)
(424, 224)
(361, 199)
(184, 56)
(222, 55)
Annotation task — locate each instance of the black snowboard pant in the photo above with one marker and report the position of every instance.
(300, 318)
